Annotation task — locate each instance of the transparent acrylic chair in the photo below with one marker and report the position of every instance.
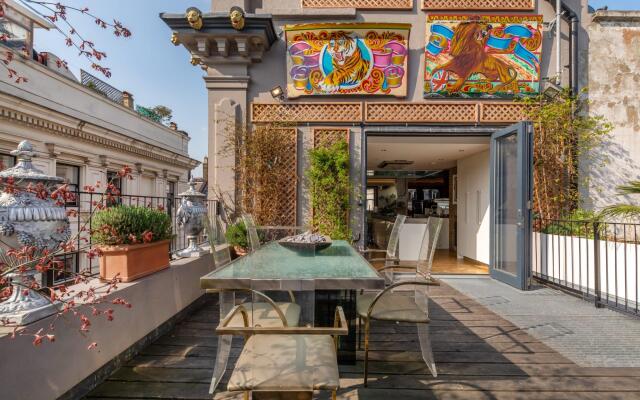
(391, 252)
(281, 361)
(261, 310)
(395, 304)
(220, 252)
(252, 231)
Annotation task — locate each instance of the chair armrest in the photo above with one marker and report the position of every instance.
(235, 310)
(395, 285)
(373, 251)
(223, 327)
(340, 328)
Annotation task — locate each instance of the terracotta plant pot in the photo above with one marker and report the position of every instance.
(134, 261)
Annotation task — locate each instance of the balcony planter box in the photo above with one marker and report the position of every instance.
(134, 261)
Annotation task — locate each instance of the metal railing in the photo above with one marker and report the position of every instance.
(594, 259)
(85, 206)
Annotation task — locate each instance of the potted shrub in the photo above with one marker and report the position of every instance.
(133, 241)
(236, 236)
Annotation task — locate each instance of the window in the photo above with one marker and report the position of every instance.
(171, 195)
(171, 189)
(116, 181)
(6, 161)
(17, 31)
(71, 175)
(372, 198)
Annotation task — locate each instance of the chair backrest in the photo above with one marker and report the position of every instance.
(392, 244)
(429, 245)
(252, 231)
(216, 237)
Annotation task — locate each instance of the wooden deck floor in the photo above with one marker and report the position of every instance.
(479, 356)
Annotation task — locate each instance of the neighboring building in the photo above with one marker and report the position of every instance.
(84, 131)
(614, 87)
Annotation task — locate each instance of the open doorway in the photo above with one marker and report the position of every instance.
(432, 176)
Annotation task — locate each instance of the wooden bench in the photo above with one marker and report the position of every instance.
(284, 362)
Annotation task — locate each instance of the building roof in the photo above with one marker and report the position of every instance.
(37, 19)
(616, 16)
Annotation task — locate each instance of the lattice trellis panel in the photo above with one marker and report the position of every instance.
(363, 4)
(511, 5)
(276, 207)
(440, 112)
(502, 112)
(326, 137)
(307, 112)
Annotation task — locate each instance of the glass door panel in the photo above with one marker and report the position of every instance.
(510, 204)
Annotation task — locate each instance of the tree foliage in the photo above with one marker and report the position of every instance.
(330, 189)
(164, 112)
(625, 211)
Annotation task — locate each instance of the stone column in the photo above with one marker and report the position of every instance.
(227, 89)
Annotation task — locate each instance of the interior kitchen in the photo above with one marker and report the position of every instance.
(421, 177)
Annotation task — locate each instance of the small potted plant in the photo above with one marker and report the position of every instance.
(237, 238)
(133, 241)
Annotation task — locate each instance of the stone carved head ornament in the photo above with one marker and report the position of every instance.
(194, 17)
(236, 15)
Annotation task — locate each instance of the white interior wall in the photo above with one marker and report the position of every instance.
(473, 207)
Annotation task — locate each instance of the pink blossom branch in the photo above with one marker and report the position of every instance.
(56, 12)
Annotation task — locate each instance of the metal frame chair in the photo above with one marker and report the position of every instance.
(324, 339)
(388, 305)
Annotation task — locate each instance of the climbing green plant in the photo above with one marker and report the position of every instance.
(330, 189)
(565, 138)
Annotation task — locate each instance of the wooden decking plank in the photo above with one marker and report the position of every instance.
(527, 348)
(176, 362)
(497, 383)
(152, 390)
(491, 369)
(163, 374)
(472, 357)
(381, 394)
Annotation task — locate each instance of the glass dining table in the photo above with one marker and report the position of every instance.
(331, 277)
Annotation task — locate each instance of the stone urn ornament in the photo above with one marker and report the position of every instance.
(27, 219)
(191, 215)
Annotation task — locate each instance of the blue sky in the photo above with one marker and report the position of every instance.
(154, 70)
(616, 4)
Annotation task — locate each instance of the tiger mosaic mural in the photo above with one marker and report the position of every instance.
(347, 59)
(349, 67)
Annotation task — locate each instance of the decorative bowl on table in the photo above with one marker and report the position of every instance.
(306, 242)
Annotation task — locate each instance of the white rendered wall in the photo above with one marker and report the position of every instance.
(473, 207)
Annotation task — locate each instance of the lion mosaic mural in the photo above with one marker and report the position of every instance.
(483, 56)
(345, 59)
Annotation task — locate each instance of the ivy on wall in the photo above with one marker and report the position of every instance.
(564, 141)
(330, 189)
